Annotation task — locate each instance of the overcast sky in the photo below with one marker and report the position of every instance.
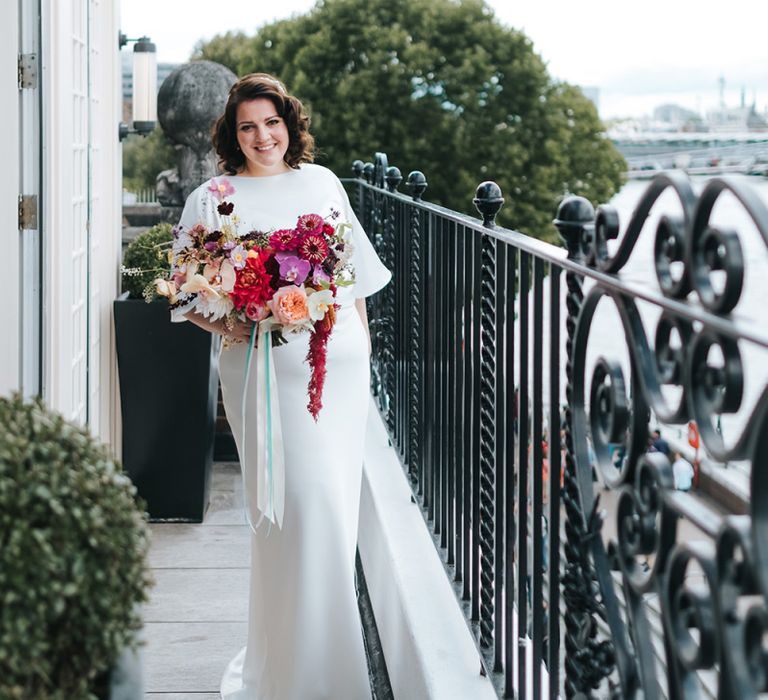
(668, 50)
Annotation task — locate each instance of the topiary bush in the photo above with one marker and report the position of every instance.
(145, 259)
(73, 549)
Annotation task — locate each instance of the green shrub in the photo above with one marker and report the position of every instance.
(144, 157)
(145, 259)
(73, 548)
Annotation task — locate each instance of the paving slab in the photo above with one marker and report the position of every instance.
(225, 508)
(189, 657)
(198, 595)
(226, 477)
(185, 545)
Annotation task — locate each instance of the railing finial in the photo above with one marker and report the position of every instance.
(357, 168)
(393, 178)
(575, 221)
(417, 184)
(488, 200)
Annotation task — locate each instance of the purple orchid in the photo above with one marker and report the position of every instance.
(319, 275)
(292, 268)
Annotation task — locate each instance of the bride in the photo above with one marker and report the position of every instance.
(304, 632)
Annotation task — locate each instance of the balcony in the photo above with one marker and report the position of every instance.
(507, 371)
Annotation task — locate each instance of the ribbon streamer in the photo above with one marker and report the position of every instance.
(264, 480)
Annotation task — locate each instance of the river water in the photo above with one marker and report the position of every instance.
(607, 338)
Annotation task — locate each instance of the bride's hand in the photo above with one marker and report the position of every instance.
(239, 333)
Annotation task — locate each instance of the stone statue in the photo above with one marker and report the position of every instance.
(190, 99)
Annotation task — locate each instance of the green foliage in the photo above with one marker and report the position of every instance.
(73, 547)
(443, 87)
(146, 258)
(144, 158)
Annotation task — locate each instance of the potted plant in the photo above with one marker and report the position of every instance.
(168, 389)
(73, 548)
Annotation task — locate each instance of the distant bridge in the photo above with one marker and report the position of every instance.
(696, 153)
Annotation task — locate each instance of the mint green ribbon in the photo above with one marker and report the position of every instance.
(270, 460)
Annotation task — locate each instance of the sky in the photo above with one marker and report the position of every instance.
(662, 51)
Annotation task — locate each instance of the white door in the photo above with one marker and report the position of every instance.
(81, 184)
(66, 182)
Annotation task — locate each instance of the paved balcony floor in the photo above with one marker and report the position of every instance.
(196, 619)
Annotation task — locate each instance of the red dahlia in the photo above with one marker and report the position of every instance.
(252, 283)
(313, 248)
(310, 223)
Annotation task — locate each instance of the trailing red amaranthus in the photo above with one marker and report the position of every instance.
(316, 357)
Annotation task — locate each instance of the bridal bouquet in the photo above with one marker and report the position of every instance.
(283, 281)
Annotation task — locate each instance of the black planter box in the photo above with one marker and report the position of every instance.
(168, 390)
(124, 681)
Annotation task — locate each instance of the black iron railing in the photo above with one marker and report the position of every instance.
(659, 592)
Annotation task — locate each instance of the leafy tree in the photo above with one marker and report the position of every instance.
(144, 158)
(441, 86)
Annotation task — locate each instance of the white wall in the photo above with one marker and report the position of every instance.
(10, 319)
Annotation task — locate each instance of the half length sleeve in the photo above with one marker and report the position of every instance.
(370, 273)
(191, 214)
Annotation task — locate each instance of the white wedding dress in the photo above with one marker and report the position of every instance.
(304, 633)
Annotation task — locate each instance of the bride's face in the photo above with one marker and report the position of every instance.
(263, 137)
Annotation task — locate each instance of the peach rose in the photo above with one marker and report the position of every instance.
(289, 305)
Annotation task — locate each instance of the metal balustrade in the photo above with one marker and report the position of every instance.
(470, 341)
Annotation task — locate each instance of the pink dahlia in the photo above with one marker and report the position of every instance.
(313, 248)
(284, 239)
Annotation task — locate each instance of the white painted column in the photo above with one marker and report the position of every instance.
(106, 217)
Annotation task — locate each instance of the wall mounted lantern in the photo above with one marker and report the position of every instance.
(144, 86)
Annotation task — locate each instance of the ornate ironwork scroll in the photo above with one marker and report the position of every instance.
(711, 589)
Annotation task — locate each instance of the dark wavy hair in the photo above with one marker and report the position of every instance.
(301, 146)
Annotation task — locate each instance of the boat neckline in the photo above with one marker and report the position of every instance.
(262, 177)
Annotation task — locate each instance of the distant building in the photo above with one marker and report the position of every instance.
(679, 118)
(739, 119)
